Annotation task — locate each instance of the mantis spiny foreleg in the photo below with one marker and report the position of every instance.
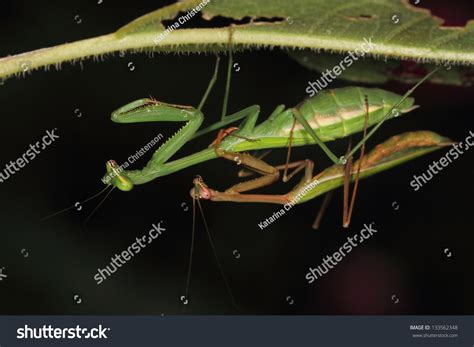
(163, 112)
(270, 174)
(260, 155)
(147, 110)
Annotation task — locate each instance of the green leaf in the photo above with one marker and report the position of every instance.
(393, 152)
(399, 30)
(373, 71)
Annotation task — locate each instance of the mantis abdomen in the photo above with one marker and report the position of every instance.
(332, 114)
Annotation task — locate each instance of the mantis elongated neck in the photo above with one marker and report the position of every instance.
(147, 175)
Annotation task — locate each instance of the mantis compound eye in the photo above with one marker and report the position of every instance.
(198, 193)
(116, 177)
(205, 194)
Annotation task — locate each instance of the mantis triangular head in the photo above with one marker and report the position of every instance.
(116, 177)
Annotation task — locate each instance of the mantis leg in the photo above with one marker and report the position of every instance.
(161, 112)
(260, 155)
(349, 208)
(233, 194)
(346, 189)
(147, 110)
(229, 76)
(247, 112)
(155, 112)
(235, 117)
(288, 155)
(322, 210)
(269, 173)
(299, 117)
(307, 165)
(212, 82)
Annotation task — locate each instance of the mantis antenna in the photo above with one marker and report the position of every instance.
(81, 202)
(116, 180)
(197, 192)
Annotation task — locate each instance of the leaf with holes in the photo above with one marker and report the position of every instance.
(397, 30)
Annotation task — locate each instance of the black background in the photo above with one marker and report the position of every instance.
(406, 258)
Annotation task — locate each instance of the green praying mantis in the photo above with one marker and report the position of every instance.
(331, 115)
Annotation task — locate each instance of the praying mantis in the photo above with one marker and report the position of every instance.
(331, 115)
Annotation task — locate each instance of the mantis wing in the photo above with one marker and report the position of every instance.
(393, 152)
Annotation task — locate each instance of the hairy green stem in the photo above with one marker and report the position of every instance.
(216, 39)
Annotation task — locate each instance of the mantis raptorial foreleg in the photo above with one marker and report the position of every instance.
(259, 155)
(233, 193)
(269, 173)
(163, 113)
(158, 111)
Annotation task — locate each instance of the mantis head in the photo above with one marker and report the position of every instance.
(200, 190)
(116, 177)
